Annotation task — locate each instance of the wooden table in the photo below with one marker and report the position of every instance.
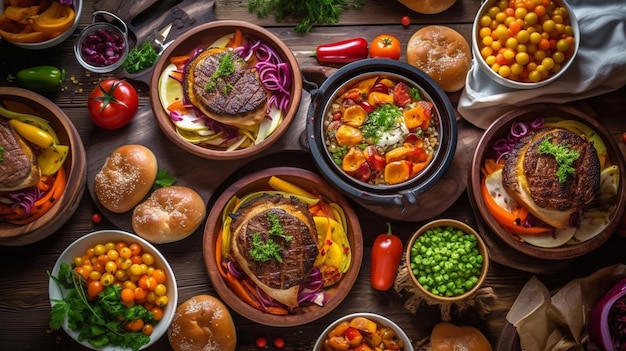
(24, 305)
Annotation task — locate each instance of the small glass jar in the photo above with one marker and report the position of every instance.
(102, 46)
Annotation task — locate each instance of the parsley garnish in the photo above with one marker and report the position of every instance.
(140, 58)
(384, 119)
(164, 178)
(311, 11)
(563, 156)
(225, 68)
(264, 251)
(100, 323)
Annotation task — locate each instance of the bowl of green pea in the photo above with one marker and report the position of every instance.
(447, 260)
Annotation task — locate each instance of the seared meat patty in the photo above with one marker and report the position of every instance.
(531, 176)
(225, 88)
(18, 169)
(252, 224)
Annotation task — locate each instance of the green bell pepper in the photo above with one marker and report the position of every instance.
(42, 79)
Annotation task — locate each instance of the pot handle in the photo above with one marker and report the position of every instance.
(409, 197)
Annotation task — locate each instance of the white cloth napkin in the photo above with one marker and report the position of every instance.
(599, 67)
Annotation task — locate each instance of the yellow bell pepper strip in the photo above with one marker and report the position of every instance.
(32, 37)
(51, 159)
(30, 119)
(19, 13)
(33, 134)
(511, 222)
(56, 19)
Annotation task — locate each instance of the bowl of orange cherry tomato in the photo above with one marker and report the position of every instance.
(112, 290)
(363, 331)
(525, 44)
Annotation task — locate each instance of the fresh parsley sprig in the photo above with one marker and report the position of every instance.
(310, 11)
(564, 156)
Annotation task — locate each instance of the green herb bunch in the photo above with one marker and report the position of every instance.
(99, 323)
(140, 57)
(310, 11)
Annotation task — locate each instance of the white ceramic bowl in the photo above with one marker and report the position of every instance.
(78, 247)
(381, 321)
(507, 82)
(78, 9)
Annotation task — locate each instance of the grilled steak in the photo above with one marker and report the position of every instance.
(527, 170)
(18, 169)
(222, 85)
(254, 222)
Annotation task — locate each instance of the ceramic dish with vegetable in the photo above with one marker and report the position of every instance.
(549, 181)
(605, 324)
(363, 331)
(383, 132)
(226, 90)
(525, 45)
(42, 170)
(112, 290)
(447, 260)
(281, 248)
(51, 22)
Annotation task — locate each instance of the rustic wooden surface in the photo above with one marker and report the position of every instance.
(24, 305)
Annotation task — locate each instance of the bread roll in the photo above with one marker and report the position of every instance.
(428, 7)
(169, 214)
(202, 323)
(442, 53)
(126, 178)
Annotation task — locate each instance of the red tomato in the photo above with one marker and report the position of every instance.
(406, 21)
(96, 218)
(113, 103)
(385, 46)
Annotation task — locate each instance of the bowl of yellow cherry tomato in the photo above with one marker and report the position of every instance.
(112, 290)
(525, 44)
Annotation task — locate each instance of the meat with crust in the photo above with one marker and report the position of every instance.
(221, 84)
(298, 243)
(531, 176)
(18, 169)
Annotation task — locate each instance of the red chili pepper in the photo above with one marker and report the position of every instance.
(343, 51)
(386, 255)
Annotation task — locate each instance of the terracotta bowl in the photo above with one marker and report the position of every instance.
(78, 248)
(381, 321)
(552, 250)
(78, 9)
(26, 101)
(258, 181)
(477, 46)
(482, 248)
(204, 36)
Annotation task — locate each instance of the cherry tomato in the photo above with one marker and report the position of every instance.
(624, 137)
(406, 21)
(96, 218)
(385, 46)
(279, 342)
(113, 103)
(261, 342)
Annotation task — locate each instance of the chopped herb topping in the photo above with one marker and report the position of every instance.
(140, 58)
(226, 68)
(264, 251)
(384, 119)
(563, 155)
(276, 229)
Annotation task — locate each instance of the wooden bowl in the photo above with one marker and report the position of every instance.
(482, 247)
(75, 168)
(258, 181)
(501, 128)
(79, 247)
(203, 36)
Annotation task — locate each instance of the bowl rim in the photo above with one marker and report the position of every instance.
(78, 9)
(117, 235)
(509, 83)
(482, 246)
(76, 173)
(378, 318)
(165, 123)
(247, 184)
(530, 112)
(403, 194)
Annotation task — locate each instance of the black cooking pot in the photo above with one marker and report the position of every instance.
(397, 201)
